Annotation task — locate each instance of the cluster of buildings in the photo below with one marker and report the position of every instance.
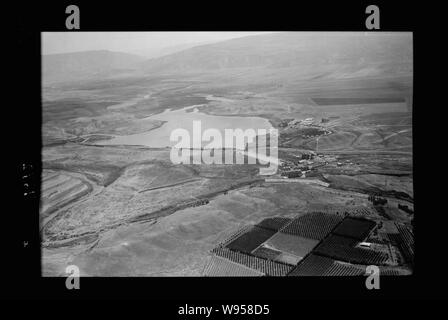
(296, 122)
(305, 164)
(377, 200)
(297, 168)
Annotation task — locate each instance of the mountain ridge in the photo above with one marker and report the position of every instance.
(279, 50)
(360, 53)
(61, 67)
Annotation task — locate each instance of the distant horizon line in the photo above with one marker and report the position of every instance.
(199, 43)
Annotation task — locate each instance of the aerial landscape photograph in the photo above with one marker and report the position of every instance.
(141, 176)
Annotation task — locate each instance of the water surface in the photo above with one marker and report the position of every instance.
(183, 119)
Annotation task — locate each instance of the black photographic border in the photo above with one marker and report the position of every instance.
(23, 274)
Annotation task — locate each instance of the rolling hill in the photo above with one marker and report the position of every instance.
(293, 49)
(87, 64)
(345, 54)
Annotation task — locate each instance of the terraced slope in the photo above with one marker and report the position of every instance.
(59, 189)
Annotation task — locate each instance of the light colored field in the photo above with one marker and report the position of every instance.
(297, 246)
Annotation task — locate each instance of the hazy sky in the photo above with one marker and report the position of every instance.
(131, 42)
